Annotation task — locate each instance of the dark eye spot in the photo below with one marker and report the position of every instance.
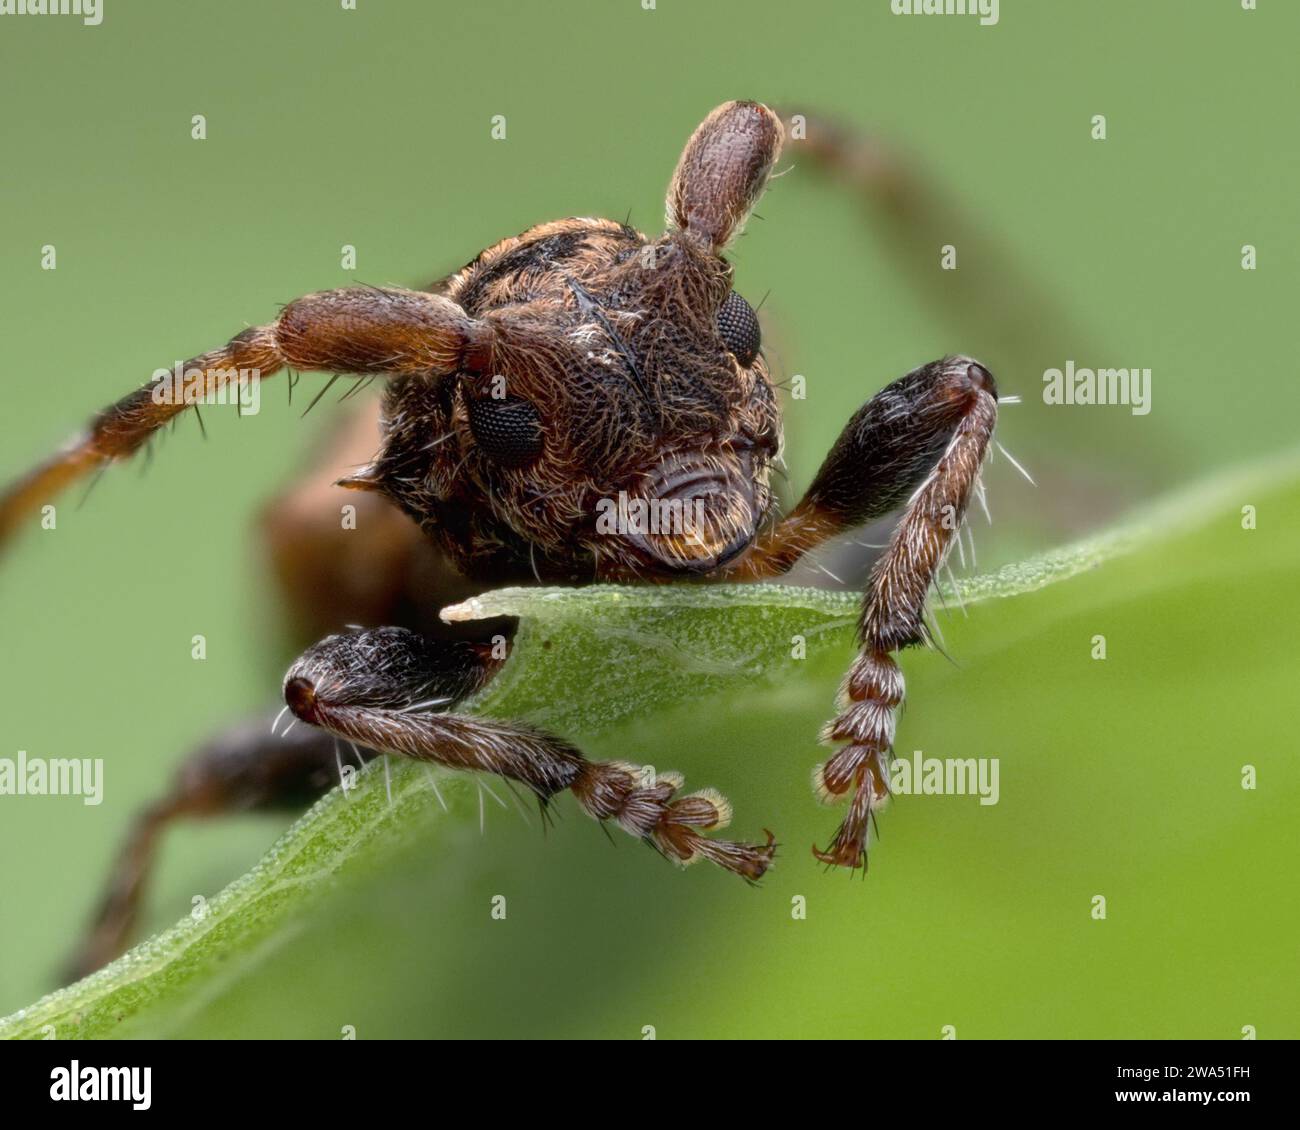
(738, 325)
(508, 431)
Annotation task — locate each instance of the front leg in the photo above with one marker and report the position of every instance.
(367, 686)
(919, 441)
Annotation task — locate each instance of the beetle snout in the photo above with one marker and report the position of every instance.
(691, 516)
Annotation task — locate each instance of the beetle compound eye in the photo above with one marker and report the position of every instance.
(738, 325)
(508, 431)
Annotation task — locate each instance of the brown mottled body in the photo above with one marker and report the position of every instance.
(577, 363)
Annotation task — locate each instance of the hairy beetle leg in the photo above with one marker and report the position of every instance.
(360, 685)
(917, 444)
(244, 769)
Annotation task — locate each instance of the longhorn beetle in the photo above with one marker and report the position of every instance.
(576, 362)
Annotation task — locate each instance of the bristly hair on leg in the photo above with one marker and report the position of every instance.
(1016, 464)
(433, 784)
(343, 780)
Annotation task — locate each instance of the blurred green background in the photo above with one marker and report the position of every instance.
(372, 128)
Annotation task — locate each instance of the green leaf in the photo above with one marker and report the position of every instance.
(694, 669)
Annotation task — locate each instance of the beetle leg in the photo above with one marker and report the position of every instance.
(362, 330)
(245, 769)
(920, 441)
(357, 685)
